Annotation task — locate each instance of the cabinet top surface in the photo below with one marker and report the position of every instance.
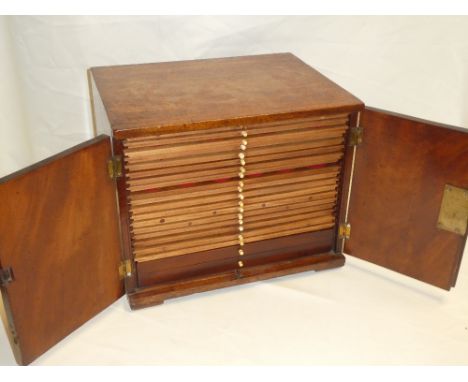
(174, 96)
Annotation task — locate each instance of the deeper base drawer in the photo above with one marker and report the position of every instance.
(157, 294)
(154, 272)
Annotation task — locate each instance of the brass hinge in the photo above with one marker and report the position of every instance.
(6, 276)
(114, 167)
(355, 136)
(344, 231)
(125, 269)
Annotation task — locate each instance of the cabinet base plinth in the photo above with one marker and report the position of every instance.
(157, 294)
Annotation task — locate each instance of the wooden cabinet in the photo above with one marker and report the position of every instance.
(211, 173)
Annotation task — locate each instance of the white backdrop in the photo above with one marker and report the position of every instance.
(358, 314)
(412, 65)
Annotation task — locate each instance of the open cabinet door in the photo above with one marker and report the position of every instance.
(405, 170)
(59, 246)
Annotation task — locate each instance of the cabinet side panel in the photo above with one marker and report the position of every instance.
(131, 282)
(101, 123)
(344, 188)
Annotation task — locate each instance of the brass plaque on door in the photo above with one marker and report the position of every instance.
(453, 214)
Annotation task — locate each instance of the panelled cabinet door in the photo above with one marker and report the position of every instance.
(59, 246)
(409, 200)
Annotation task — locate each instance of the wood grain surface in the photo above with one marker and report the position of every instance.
(400, 173)
(59, 234)
(225, 259)
(290, 182)
(156, 294)
(191, 95)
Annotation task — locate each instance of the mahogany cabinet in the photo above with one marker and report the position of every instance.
(212, 173)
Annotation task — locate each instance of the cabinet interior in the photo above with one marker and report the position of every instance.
(182, 188)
